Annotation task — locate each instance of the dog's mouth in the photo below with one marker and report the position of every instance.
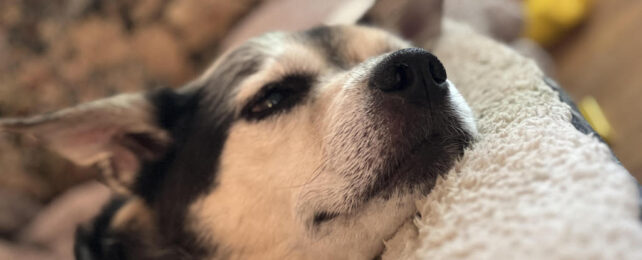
(416, 172)
(416, 169)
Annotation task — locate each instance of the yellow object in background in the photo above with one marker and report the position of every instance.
(548, 20)
(591, 110)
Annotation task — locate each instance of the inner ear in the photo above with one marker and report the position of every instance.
(146, 147)
(118, 134)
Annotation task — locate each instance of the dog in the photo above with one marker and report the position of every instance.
(301, 145)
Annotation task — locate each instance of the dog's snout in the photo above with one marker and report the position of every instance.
(412, 73)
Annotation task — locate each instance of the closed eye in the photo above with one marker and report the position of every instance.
(278, 97)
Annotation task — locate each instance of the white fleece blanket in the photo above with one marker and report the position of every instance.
(532, 187)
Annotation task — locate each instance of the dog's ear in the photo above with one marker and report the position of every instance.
(416, 20)
(117, 133)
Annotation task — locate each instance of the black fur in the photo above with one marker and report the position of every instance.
(198, 121)
(188, 170)
(175, 113)
(95, 242)
(197, 118)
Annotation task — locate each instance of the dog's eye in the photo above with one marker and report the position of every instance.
(277, 96)
(272, 100)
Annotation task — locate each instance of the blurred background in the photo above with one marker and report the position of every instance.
(58, 53)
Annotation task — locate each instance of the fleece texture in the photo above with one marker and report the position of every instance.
(533, 186)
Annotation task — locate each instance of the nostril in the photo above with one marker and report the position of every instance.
(437, 71)
(402, 77)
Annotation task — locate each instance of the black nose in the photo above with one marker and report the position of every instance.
(414, 74)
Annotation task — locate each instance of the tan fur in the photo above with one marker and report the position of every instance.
(276, 173)
(364, 43)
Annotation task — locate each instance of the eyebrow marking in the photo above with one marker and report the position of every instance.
(329, 40)
(235, 67)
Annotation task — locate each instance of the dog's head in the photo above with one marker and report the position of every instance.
(293, 145)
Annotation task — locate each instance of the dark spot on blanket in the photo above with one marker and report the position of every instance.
(578, 120)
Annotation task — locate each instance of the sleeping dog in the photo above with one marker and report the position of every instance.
(302, 145)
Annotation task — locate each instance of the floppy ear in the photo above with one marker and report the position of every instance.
(117, 133)
(416, 20)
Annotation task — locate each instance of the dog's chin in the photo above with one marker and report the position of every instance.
(413, 176)
(413, 162)
(416, 170)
